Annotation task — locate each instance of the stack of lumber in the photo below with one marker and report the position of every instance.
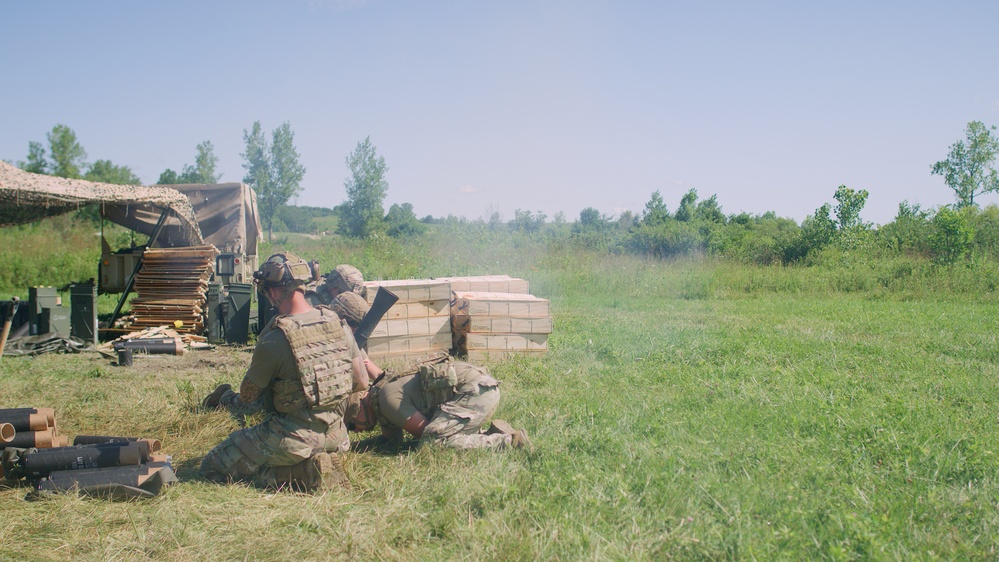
(494, 325)
(171, 287)
(29, 427)
(416, 325)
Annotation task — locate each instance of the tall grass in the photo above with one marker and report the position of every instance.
(686, 409)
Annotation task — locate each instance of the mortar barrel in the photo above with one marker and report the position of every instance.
(69, 479)
(25, 421)
(154, 444)
(49, 413)
(27, 439)
(7, 432)
(45, 461)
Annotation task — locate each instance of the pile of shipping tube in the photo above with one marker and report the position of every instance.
(29, 427)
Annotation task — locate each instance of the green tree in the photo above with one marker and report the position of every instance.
(849, 205)
(106, 172)
(169, 177)
(36, 163)
(204, 168)
(286, 172)
(402, 221)
(67, 154)
(656, 212)
(688, 205)
(970, 168)
(366, 188)
(271, 169)
(709, 210)
(952, 235)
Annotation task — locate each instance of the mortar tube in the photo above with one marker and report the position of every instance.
(24, 421)
(169, 346)
(45, 461)
(7, 432)
(142, 445)
(154, 444)
(28, 439)
(144, 453)
(49, 413)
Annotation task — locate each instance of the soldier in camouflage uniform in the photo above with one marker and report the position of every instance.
(303, 368)
(344, 278)
(439, 401)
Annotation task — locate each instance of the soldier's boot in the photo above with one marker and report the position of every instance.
(321, 470)
(521, 441)
(325, 470)
(212, 400)
(500, 426)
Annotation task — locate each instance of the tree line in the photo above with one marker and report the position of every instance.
(273, 170)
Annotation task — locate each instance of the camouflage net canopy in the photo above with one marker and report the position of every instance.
(27, 197)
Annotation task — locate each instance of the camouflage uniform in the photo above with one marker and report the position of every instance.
(292, 430)
(344, 278)
(456, 407)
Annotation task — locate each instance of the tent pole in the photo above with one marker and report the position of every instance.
(138, 266)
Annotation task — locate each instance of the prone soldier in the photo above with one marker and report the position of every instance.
(438, 400)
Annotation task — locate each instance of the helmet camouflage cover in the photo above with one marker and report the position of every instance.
(347, 278)
(282, 269)
(351, 307)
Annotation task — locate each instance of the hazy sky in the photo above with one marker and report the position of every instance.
(492, 106)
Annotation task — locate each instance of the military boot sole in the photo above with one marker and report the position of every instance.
(212, 400)
(501, 426)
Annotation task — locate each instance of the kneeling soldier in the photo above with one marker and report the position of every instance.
(303, 368)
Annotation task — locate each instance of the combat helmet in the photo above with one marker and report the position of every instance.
(351, 307)
(282, 269)
(346, 278)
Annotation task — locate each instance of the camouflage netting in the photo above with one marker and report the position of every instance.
(27, 197)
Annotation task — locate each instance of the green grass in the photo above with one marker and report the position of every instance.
(688, 410)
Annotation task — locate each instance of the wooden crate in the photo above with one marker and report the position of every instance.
(498, 304)
(411, 290)
(412, 327)
(501, 324)
(487, 283)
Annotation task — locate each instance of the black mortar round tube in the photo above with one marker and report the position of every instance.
(154, 444)
(45, 461)
(25, 421)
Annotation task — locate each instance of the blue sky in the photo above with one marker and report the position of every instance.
(488, 106)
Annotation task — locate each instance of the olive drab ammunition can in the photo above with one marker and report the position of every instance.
(83, 312)
(215, 302)
(237, 322)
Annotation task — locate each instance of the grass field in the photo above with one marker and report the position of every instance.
(688, 410)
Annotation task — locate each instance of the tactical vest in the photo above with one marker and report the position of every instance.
(437, 382)
(322, 356)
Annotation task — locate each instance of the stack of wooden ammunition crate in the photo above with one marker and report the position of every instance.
(481, 317)
(500, 322)
(416, 325)
(171, 287)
